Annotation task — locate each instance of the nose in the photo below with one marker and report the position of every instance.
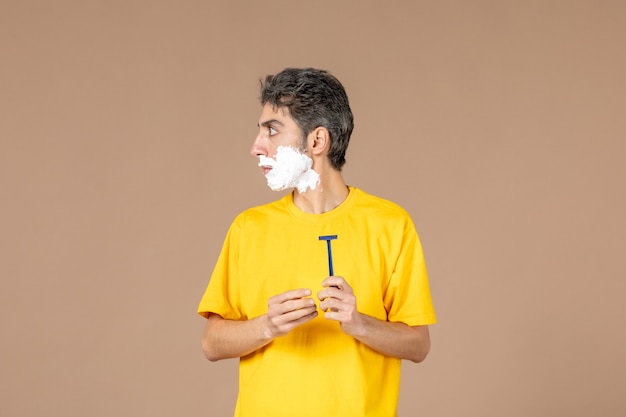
(258, 147)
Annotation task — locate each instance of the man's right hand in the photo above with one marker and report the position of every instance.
(289, 310)
(223, 338)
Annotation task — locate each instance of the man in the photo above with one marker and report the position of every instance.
(312, 342)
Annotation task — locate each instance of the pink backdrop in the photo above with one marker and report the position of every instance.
(125, 129)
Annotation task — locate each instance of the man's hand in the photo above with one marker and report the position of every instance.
(339, 303)
(289, 310)
(393, 339)
(225, 338)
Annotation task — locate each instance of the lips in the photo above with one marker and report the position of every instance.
(266, 164)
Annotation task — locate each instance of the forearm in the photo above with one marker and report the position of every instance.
(223, 339)
(397, 340)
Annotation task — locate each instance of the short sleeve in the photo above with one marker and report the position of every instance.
(222, 295)
(407, 297)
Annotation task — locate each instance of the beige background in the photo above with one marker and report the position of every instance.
(125, 128)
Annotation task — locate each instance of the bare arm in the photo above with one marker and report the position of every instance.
(224, 338)
(391, 339)
(394, 339)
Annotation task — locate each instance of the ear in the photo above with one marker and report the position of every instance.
(319, 141)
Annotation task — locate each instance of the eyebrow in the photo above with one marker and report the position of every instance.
(269, 122)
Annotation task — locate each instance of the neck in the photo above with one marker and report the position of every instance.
(330, 192)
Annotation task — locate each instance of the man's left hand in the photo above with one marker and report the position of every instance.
(338, 302)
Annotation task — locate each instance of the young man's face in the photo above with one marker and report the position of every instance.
(276, 128)
(278, 147)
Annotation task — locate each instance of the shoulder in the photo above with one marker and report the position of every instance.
(262, 213)
(379, 206)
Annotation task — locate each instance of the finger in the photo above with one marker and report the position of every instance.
(290, 295)
(333, 315)
(298, 315)
(300, 303)
(337, 300)
(282, 325)
(339, 316)
(334, 304)
(327, 304)
(293, 318)
(277, 309)
(335, 292)
(329, 292)
(338, 282)
(301, 320)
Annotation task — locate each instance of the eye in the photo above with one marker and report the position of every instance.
(272, 131)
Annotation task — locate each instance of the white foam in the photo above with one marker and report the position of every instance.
(291, 168)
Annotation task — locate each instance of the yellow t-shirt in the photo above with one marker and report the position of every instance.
(317, 370)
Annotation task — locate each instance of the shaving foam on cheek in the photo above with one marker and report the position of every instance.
(290, 169)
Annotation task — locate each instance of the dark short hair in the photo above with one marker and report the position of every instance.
(315, 98)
